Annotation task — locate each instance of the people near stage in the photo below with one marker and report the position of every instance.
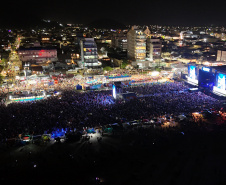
(96, 108)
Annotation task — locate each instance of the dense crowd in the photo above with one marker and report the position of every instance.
(95, 108)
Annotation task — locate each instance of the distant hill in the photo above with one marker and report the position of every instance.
(22, 22)
(106, 24)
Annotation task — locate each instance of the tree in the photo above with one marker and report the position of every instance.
(1, 78)
(108, 68)
(158, 69)
(4, 63)
(124, 64)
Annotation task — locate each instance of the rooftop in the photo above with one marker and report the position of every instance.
(37, 48)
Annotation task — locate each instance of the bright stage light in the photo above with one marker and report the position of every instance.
(155, 73)
(114, 91)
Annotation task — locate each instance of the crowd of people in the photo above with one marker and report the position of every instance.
(76, 110)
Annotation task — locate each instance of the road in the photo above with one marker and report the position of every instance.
(14, 63)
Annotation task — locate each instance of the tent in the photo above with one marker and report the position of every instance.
(78, 77)
(96, 86)
(78, 87)
(108, 130)
(91, 130)
(182, 117)
(129, 95)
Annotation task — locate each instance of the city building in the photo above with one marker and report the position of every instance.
(221, 55)
(37, 55)
(89, 54)
(119, 40)
(122, 44)
(136, 46)
(154, 49)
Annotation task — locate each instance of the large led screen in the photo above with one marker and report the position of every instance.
(192, 72)
(220, 84)
(192, 75)
(221, 81)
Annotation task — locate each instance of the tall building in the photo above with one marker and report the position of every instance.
(119, 40)
(136, 45)
(89, 54)
(122, 44)
(154, 49)
(221, 55)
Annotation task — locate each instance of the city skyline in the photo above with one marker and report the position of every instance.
(169, 13)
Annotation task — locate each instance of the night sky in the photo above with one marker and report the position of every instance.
(126, 12)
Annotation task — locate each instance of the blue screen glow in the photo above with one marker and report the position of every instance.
(114, 91)
(192, 74)
(206, 69)
(221, 81)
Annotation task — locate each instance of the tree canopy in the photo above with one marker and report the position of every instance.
(124, 64)
(108, 68)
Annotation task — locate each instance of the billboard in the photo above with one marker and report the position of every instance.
(206, 69)
(192, 74)
(220, 83)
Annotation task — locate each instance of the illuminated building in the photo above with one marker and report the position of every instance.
(221, 55)
(154, 49)
(45, 39)
(89, 54)
(119, 40)
(136, 45)
(122, 44)
(37, 55)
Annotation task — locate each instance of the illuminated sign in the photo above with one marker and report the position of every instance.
(206, 69)
(114, 91)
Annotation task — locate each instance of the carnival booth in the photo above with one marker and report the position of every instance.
(58, 133)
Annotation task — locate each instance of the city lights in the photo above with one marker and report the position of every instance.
(89, 97)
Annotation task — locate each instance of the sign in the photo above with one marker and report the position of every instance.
(206, 69)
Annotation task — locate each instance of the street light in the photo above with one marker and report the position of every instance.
(26, 66)
(112, 63)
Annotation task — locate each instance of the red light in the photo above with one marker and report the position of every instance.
(42, 51)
